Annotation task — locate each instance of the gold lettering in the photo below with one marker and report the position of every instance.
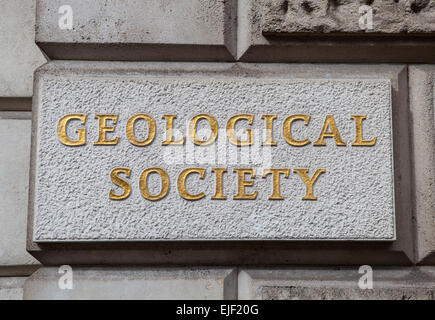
(286, 130)
(61, 130)
(309, 182)
(143, 184)
(269, 130)
(103, 128)
(329, 123)
(219, 185)
(121, 183)
(169, 136)
(213, 128)
(129, 130)
(230, 130)
(242, 184)
(181, 183)
(358, 133)
(276, 195)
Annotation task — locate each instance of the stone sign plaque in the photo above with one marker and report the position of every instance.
(136, 157)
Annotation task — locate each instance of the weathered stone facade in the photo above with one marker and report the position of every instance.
(251, 44)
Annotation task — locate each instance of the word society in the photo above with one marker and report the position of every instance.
(106, 124)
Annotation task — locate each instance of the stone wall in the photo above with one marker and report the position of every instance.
(260, 39)
(20, 57)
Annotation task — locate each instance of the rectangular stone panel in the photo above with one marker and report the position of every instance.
(359, 283)
(137, 30)
(131, 283)
(352, 196)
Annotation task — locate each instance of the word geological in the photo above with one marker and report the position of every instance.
(329, 130)
(245, 176)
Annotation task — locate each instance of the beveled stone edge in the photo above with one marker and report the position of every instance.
(328, 278)
(418, 74)
(132, 51)
(253, 46)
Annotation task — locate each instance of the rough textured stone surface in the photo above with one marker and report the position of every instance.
(332, 16)
(351, 204)
(139, 30)
(19, 54)
(11, 288)
(307, 32)
(134, 283)
(422, 105)
(14, 182)
(333, 284)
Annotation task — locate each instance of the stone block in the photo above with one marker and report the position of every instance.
(11, 288)
(346, 204)
(134, 283)
(14, 182)
(399, 251)
(422, 105)
(329, 31)
(336, 284)
(138, 30)
(15, 115)
(19, 54)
